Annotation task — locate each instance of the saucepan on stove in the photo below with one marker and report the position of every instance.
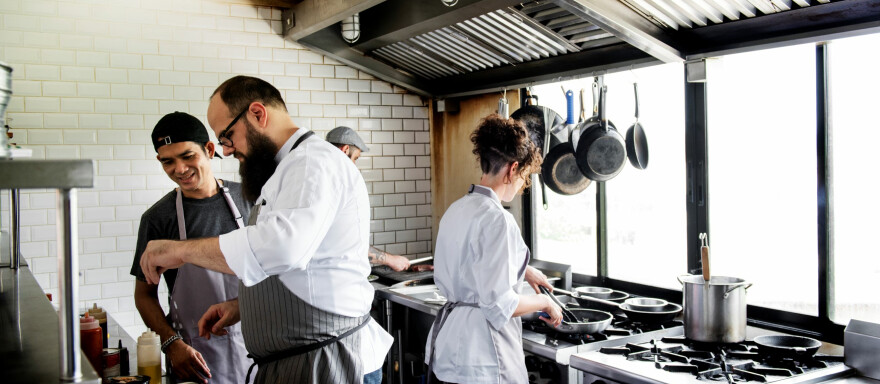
(580, 321)
(642, 314)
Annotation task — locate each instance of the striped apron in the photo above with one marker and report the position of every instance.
(293, 341)
(196, 289)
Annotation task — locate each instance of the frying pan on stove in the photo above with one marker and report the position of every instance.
(662, 315)
(580, 321)
(787, 346)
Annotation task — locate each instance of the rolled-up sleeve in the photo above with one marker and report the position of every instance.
(289, 229)
(493, 253)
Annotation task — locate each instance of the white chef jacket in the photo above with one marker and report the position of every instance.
(313, 232)
(478, 256)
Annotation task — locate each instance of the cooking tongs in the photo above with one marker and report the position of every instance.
(567, 315)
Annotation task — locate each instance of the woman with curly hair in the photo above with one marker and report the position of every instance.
(480, 260)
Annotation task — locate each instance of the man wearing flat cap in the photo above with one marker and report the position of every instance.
(351, 144)
(200, 206)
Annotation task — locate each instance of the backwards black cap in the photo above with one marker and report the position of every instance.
(179, 127)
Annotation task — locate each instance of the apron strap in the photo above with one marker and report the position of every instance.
(181, 222)
(442, 315)
(295, 351)
(231, 204)
(301, 139)
(255, 211)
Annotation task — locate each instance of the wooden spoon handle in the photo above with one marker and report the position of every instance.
(704, 257)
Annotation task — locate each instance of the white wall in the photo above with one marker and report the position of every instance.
(92, 77)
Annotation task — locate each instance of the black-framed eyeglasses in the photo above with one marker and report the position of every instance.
(223, 138)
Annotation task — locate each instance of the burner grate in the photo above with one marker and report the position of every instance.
(720, 362)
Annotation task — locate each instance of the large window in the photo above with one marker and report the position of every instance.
(854, 82)
(647, 216)
(567, 228)
(762, 174)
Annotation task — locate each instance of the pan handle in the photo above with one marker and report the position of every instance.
(602, 118)
(543, 191)
(636, 92)
(587, 298)
(595, 98)
(745, 285)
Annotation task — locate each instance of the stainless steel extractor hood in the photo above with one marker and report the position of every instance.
(444, 48)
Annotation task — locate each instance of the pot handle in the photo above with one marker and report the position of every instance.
(679, 280)
(744, 285)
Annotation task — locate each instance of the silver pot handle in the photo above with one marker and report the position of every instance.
(745, 285)
(679, 280)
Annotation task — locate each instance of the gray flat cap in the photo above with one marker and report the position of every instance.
(346, 135)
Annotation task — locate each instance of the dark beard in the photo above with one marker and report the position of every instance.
(258, 166)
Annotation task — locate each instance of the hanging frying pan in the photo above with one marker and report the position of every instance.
(560, 169)
(636, 141)
(538, 121)
(600, 152)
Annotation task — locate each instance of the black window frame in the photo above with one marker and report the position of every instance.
(697, 196)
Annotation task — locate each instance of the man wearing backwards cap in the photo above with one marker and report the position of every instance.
(201, 206)
(351, 144)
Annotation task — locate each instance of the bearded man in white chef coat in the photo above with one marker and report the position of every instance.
(304, 300)
(351, 144)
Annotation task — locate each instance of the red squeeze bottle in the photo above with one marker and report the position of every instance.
(90, 341)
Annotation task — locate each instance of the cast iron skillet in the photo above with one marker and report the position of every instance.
(600, 152)
(560, 170)
(787, 346)
(538, 120)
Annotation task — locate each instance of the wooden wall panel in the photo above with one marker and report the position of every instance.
(453, 166)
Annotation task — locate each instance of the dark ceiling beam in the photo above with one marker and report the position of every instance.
(329, 42)
(398, 20)
(623, 22)
(815, 23)
(586, 63)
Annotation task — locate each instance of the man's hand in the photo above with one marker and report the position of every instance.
(158, 257)
(536, 278)
(188, 363)
(397, 263)
(218, 317)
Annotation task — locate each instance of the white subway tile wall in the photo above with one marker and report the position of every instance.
(92, 78)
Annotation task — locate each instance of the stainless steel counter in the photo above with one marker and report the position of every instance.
(407, 301)
(29, 337)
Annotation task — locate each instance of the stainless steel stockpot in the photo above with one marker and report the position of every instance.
(714, 311)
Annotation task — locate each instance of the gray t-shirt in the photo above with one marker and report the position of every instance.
(204, 218)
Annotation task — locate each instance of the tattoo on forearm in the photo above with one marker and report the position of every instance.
(376, 258)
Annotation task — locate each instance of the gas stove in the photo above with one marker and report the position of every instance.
(542, 340)
(548, 351)
(675, 360)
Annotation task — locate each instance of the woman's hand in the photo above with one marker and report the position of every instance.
(536, 278)
(553, 310)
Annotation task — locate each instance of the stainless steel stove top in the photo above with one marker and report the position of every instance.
(674, 362)
(560, 348)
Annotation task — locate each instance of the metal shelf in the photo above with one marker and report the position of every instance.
(65, 176)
